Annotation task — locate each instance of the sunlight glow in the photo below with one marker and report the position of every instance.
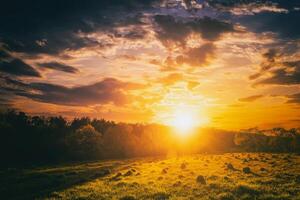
(184, 122)
(182, 110)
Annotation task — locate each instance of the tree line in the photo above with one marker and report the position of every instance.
(38, 139)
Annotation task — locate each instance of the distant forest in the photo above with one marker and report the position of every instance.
(27, 140)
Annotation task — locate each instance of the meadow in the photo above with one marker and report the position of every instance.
(225, 176)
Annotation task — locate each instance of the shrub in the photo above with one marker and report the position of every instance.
(200, 179)
(247, 170)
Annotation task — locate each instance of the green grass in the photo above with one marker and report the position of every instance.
(226, 177)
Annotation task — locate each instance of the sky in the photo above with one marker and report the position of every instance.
(229, 64)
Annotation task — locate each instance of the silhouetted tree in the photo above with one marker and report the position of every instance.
(39, 139)
(85, 143)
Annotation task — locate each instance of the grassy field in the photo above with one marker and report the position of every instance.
(221, 176)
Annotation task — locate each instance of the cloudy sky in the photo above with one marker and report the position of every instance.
(234, 64)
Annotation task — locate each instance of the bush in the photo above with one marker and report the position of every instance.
(200, 179)
(247, 170)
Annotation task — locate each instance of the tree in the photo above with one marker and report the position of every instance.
(85, 143)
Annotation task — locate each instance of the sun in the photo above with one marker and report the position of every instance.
(184, 119)
(183, 122)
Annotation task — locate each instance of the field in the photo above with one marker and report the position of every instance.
(203, 176)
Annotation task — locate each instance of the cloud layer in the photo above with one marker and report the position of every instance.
(151, 56)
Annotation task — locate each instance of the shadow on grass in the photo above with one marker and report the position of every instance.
(35, 183)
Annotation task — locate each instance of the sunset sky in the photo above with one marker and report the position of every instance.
(227, 64)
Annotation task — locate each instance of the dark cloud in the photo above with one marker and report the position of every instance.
(4, 54)
(251, 98)
(135, 34)
(15, 66)
(254, 6)
(176, 30)
(58, 66)
(287, 74)
(10, 86)
(255, 76)
(211, 29)
(289, 5)
(270, 16)
(109, 90)
(52, 26)
(294, 98)
(172, 30)
(49, 43)
(270, 55)
(197, 56)
(283, 77)
(293, 64)
(8, 89)
(269, 61)
(278, 68)
(5, 97)
(284, 24)
(277, 16)
(193, 57)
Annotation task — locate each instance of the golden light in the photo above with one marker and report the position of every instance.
(183, 122)
(182, 110)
